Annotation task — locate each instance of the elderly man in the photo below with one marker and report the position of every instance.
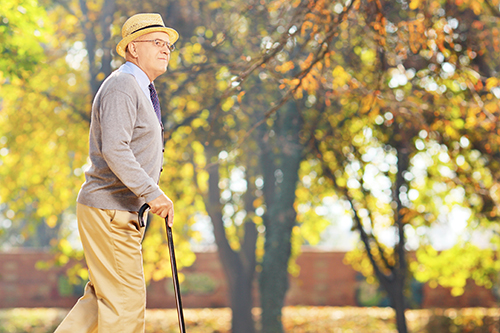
(126, 150)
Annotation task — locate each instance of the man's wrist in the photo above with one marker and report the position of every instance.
(151, 196)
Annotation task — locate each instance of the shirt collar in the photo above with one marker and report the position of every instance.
(141, 77)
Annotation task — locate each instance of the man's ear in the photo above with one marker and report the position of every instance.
(132, 50)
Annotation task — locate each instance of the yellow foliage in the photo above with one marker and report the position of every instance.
(367, 103)
(192, 105)
(51, 221)
(227, 104)
(203, 180)
(492, 82)
(492, 107)
(198, 122)
(306, 25)
(257, 220)
(309, 83)
(340, 77)
(240, 96)
(307, 62)
(258, 202)
(287, 66)
(476, 7)
(187, 170)
(197, 48)
(214, 4)
(299, 93)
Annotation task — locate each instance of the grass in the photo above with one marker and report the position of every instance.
(295, 320)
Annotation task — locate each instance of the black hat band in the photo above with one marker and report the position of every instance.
(149, 26)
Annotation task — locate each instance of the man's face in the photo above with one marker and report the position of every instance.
(152, 58)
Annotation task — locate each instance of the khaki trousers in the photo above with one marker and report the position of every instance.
(115, 297)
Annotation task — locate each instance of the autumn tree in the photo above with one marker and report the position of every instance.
(37, 187)
(471, 141)
(394, 143)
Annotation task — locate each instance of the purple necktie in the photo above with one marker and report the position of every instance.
(156, 102)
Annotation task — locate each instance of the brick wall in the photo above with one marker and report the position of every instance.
(324, 280)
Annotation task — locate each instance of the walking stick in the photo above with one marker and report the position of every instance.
(175, 277)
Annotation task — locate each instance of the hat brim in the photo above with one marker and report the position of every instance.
(122, 45)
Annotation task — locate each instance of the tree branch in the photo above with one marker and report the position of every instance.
(494, 10)
(364, 236)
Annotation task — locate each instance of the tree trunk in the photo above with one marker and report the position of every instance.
(394, 283)
(280, 181)
(98, 36)
(242, 303)
(274, 277)
(400, 308)
(400, 271)
(398, 302)
(239, 267)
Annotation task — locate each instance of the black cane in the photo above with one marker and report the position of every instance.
(175, 277)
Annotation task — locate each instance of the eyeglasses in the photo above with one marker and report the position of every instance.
(160, 43)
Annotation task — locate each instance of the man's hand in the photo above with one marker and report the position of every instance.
(163, 207)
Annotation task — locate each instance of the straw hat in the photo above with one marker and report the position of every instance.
(141, 24)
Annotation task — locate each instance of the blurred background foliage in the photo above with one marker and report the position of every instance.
(281, 117)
